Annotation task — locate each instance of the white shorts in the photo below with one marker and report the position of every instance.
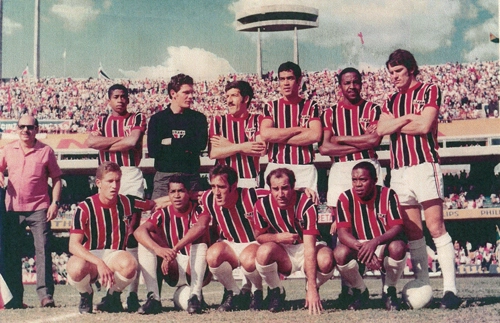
(107, 255)
(247, 182)
(296, 255)
(305, 175)
(238, 247)
(132, 182)
(417, 184)
(340, 179)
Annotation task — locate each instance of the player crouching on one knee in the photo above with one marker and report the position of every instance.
(286, 226)
(179, 243)
(98, 238)
(370, 228)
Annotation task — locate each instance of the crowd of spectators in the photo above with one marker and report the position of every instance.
(58, 268)
(470, 90)
(483, 256)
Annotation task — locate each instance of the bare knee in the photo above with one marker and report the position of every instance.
(325, 259)
(397, 249)
(247, 258)
(342, 254)
(265, 253)
(214, 254)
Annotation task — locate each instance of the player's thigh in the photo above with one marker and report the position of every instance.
(220, 252)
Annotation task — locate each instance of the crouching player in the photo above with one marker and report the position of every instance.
(168, 235)
(370, 228)
(286, 227)
(98, 238)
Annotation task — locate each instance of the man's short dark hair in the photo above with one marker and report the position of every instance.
(290, 66)
(223, 170)
(244, 87)
(279, 173)
(179, 179)
(107, 167)
(349, 70)
(117, 87)
(369, 167)
(177, 81)
(405, 58)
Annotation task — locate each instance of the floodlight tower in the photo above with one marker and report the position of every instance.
(277, 18)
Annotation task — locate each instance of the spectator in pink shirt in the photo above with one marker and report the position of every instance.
(30, 164)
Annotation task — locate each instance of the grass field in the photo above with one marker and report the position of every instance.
(481, 304)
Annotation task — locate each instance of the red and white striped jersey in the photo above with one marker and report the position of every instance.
(285, 115)
(238, 130)
(120, 126)
(411, 150)
(369, 219)
(301, 217)
(234, 223)
(172, 226)
(105, 227)
(351, 120)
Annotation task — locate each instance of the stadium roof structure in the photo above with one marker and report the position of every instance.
(277, 18)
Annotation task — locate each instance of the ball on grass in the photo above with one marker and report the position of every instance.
(181, 297)
(417, 294)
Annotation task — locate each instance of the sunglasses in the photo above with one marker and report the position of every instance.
(27, 126)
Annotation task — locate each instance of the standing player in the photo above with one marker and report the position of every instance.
(286, 227)
(231, 210)
(118, 137)
(176, 136)
(235, 138)
(98, 238)
(291, 126)
(411, 118)
(349, 134)
(369, 226)
(168, 235)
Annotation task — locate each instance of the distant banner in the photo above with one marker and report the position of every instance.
(60, 224)
(460, 214)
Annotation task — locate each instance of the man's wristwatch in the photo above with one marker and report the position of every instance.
(57, 203)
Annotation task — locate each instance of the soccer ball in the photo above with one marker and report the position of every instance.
(181, 297)
(417, 294)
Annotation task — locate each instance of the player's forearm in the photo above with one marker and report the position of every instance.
(308, 136)
(279, 135)
(390, 234)
(390, 125)
(329, 148)
(310, 262)
(100, 142)
(363, 142)
(225, 151)
(142, 236)
(347, 239)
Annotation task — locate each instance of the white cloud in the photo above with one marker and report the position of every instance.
(478, 36)
(10, 26)
(196, 62)
(419, 26)
(490, 5)
(75, 13)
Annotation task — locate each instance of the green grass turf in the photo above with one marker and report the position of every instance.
(481, 304)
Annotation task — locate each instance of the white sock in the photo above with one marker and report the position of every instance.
(393, 269)
(418, 253)
(446, 258)
(83, 286)
(322, 278)
(224, 274)
(147, 266)
(350, 274)
(198, 264)
(253, 278)
(269, 274)
(134, 285)
(120, 283)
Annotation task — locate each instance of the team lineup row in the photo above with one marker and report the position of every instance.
(265, 232)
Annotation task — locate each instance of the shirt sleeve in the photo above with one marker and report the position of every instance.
(80, 219)
(394, 217)
(53, 167)
(139, 122)
(260, 223)
(433, 96)
(344, 216)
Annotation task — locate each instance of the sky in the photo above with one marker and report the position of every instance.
(160, 38)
